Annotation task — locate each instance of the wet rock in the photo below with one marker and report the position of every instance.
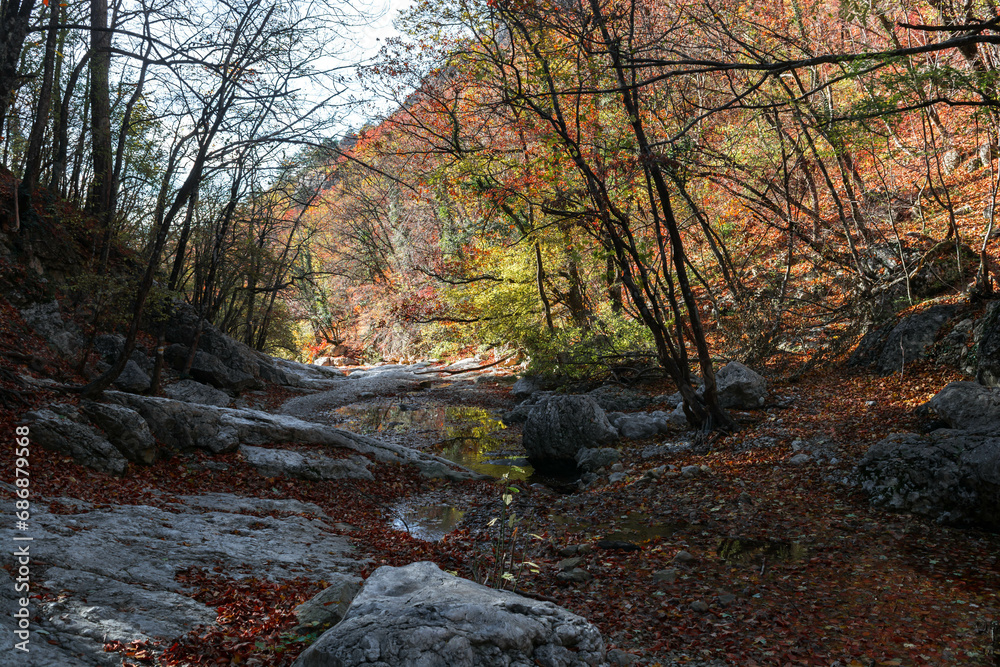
(125, 429)
(968, 406)
(63, 429)
(419, 615)
(560, 426)
(739, 387)
(329, 606)
(311, 465)
(191, 391)
(594, 459)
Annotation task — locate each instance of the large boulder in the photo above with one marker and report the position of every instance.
(186, 426)
(182, 328)
(613, 398)
(125, 429)
(63, 429)
(640, 425)
(988, 348)
(418, 615)
(968, 406)
(133, 379)
(949, 475)
(274, 462)
(889, 348)
(192, 391)
(739, 387)
(48, 323)
(329, 606)
(559, 426)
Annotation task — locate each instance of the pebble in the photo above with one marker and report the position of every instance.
(699, 606)
(691, 471)
(800, 459)
(668, 576)
(569, 563)
(684, 557)
(577, 575)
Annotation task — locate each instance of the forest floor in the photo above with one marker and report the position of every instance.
(789, 564)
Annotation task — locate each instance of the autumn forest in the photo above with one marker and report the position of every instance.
(636, 194)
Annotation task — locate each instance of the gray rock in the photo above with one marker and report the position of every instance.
(559, 426)
(699, 606)
(988, 348)
(132, 378)
(691, 471)
(617, 477)
(641, 425)
(576, 575)
(116, 569)
(109, 347)
(968, 406)
(595, 459)
(186, 426)
(684, 557)
(182, 328)
(526, 385)
(616, 656)
(677, 417)
(48, 323)
(329, 606)
(275, 462)
(359, 385)
(125, 429)
(62, 429)
(739, 387)
(569, 563)
(665, 576)
(949, 475)
(889, 348)
(418, 615)
(800, 459)
(209, 369)
(613, 398)
(191, 391)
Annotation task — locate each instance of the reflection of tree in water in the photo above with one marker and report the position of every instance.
(739, 548)
(427, 522)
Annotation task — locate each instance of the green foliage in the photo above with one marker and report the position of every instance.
(502, 568)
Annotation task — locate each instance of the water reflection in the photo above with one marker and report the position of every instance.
(430, 522)
(469, 436)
